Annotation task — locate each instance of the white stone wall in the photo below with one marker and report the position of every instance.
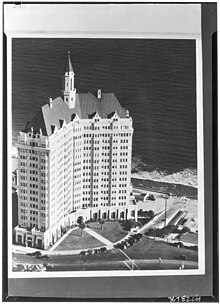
(32, 173)
(84, 166)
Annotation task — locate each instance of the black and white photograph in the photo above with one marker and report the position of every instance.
(105, 154)
(106, 159)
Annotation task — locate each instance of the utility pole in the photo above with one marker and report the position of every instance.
(185, 199)
(165, 218)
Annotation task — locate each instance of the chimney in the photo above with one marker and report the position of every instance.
(50, 102)
(99, 93)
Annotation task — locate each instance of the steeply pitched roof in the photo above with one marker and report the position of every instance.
(105, 105)
(85, 107)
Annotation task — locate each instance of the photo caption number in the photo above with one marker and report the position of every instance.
(185, 299)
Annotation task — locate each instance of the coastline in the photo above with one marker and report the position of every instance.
(179, 190)
(176, 189)
(185, 177)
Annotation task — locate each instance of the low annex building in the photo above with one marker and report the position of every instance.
(74, 161)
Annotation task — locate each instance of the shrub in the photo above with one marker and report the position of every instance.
(129, 224)
(186, 230)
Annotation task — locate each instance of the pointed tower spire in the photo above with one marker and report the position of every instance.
(69, 67)
(69, 92)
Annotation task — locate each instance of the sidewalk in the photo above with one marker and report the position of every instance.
(62, 238)
(99, 237)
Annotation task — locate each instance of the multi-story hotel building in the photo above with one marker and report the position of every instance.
(74, 160)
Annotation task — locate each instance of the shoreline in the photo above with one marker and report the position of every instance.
(178, 190)
(138, 176)
(154, 184)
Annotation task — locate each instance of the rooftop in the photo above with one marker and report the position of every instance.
(86, 106)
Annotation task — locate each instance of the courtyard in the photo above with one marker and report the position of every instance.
(78, 239)
(110, 230)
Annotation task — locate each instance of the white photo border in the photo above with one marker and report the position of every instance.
(20, 22)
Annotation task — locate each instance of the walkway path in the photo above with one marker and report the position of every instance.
(62, 239)
(99, 237)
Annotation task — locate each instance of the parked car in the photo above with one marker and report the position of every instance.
(45, 256)
(91, 252)
(36, 253)
(121, 246)
(49, 267)
(83, 253)
(151, 197)
(140, 235)
(179, 245)
(103, 249)
(131, 242)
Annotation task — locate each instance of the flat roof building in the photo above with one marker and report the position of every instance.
(74, 160)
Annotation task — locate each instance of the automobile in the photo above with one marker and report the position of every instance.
(151, 197)
(36, 253)
(131, 242)
(91, 252)
(103, 249)
(96, 251)
(45, 256)
(140, 235)
(120, 246)
(179, 245)
(49, 267)
(194, 248)
(83, 253)
(136, 237)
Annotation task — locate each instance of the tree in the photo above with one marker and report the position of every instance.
(82, 226)
(151, 214)
(101, 221)
(80, 220)
(185, 230)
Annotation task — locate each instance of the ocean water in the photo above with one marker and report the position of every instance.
(154, 79)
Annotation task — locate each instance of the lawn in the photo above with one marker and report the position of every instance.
(75, 241)
(151, 249)
(111, 230)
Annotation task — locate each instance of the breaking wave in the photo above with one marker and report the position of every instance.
(141, 170)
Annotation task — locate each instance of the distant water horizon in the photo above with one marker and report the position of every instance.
(154, 79)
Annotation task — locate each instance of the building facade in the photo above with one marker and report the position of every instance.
(74, 161)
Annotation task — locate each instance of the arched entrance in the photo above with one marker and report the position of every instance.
(20, 239)
(133, 213)
(113, 215)
(95, 215)
(122, 214)
(29, 242)
(39, 243)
